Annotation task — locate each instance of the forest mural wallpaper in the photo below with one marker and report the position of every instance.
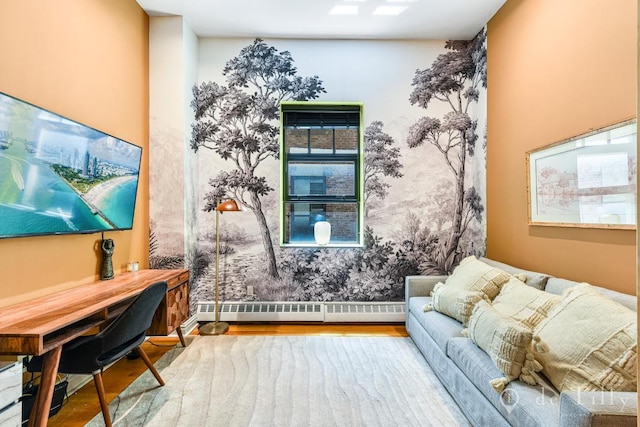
(424, 165)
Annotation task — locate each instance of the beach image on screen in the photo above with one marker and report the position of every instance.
(58, 176)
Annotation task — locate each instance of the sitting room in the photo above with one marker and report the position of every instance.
(339, 212)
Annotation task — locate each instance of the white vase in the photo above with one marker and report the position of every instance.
(322, 232)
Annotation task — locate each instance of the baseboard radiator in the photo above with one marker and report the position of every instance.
(387, 312)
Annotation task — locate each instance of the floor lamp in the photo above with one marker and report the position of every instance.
(218, 327)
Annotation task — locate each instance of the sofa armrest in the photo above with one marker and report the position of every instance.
(598, 408)
(420, 286)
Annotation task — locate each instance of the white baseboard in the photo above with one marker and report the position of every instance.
(188, 326)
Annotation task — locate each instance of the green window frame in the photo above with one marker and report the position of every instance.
(322, 172)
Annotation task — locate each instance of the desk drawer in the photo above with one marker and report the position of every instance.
(173, 310)
(177, 280)
(178, 305)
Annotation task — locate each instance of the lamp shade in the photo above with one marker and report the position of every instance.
(322, 232)
(228, 205)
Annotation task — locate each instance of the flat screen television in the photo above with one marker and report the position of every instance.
(58, 176)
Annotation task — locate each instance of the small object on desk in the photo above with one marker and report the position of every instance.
(133, 266)
(106, 272)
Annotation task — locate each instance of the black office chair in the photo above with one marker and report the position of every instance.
(90, 354)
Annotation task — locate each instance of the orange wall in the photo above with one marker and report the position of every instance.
(556, 69)
(86, 60)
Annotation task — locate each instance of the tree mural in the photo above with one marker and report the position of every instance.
(239, 122)
(372, 273)
(380, 160)
(157, 261)
(453, 79)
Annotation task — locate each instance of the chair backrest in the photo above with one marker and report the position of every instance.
(136, 318)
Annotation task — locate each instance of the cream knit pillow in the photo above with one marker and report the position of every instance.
(506, 341)
(524, 304)
(474, 275)
(456, 303)
(588, 342)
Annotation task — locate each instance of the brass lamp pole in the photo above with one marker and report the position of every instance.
(217, 327)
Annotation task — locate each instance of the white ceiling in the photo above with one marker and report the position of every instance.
(423, 19)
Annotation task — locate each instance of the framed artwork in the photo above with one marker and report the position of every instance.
(588, 180)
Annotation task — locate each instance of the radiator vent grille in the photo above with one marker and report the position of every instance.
(364, 308)
(364, 312)
(303, 311)
(284, 307)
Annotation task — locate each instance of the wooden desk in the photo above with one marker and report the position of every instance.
(42, 325)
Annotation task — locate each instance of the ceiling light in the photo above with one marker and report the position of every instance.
(344, 9)
(389, 10)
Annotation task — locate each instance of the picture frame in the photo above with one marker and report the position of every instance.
(589, 180)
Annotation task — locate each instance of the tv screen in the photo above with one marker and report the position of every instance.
(58, 176)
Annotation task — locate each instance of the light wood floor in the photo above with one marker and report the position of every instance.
(82, 406)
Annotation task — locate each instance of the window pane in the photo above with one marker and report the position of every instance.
(321, 141)
(301, 218)
(308, 185)
(296, 140)
(347, 141)
(327, 178)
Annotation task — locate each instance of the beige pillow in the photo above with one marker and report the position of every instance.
(506, 341)
(524, 304)
(474, 275)
(456, 303)
(588, 342)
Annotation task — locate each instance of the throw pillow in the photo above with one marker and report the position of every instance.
(474, 275)
(588, 342)
(534, 279)
(456, 303)
(524, 304)
(506, 341)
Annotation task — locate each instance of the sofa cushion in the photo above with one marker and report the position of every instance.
(416, 304)
(474, 275)
(629, 301)
(505, 340)
(520, 404)
(441, 328)
(524, 304)
(456, 303)
(475, 363)
(559, 286)
(589, 342)
(534, 279)
(475, 407)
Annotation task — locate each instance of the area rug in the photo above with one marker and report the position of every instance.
(290, 381)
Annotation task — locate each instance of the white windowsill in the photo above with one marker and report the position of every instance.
(316, 246)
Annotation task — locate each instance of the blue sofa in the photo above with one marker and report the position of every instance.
(465, 370)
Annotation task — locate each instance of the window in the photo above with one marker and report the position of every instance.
(321, 162)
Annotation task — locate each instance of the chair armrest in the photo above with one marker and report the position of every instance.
(598, 408)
